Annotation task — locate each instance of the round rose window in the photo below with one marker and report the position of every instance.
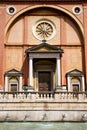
(44, 29)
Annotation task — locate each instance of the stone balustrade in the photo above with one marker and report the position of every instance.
(43, 96)
(43, 106)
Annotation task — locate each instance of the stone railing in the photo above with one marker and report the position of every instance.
(43, 96)
(43, 106)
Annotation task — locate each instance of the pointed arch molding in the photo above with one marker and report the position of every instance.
(49, 6)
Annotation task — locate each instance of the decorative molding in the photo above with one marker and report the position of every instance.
(43, 0)
(75, 72)
(13, 72)
(45, 45)
(45, 6)
(44, 55)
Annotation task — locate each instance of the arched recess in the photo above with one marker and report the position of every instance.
(47, 6)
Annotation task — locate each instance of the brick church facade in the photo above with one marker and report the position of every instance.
(43, 45)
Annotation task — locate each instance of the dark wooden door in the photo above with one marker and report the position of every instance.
(13, 87)
(75, 87)
(44, 79)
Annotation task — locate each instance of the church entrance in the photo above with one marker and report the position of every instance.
(44, 66)
(44, 81)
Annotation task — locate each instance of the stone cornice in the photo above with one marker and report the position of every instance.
(43, 0)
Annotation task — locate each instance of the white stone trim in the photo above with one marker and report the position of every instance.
(68, 83)
(58, 72)
(20, 83)
(6, 83)
(83, 83)
(30, 71)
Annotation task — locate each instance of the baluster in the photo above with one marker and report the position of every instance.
(69, 96)
(37, 96)
(62, 95)
(59, 95)
(65, 95)
(1, 96)
(6, 96)
(48, 96)
(32, 96)
(84, 95)
(80, 96)
(10, 96)
(29, 95)
(51, 95)
(22, 95)
(41, 96)
(15, 96)
(19, 96)
(45, 95)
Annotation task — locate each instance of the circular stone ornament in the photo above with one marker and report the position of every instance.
(11, 10)
(44, 29)
(77, 10)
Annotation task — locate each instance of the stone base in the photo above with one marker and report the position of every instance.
(43, 116)
(61, 88)
(28, 88)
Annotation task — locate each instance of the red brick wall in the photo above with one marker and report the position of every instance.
(2, 27)
(67, 29)
(85, 40)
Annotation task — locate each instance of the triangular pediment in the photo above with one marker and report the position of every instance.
(44, 47)
(75, 72)
(13, 72)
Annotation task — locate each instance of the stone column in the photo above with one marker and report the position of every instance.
(20, 83)
(68, 83)
(83, 83)
(30, 71)
(58, 72)
(6, 83)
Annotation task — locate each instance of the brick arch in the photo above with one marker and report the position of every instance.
(49, 6)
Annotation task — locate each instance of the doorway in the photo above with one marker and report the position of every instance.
(75, 87)
(13, 84)
(45, 81)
